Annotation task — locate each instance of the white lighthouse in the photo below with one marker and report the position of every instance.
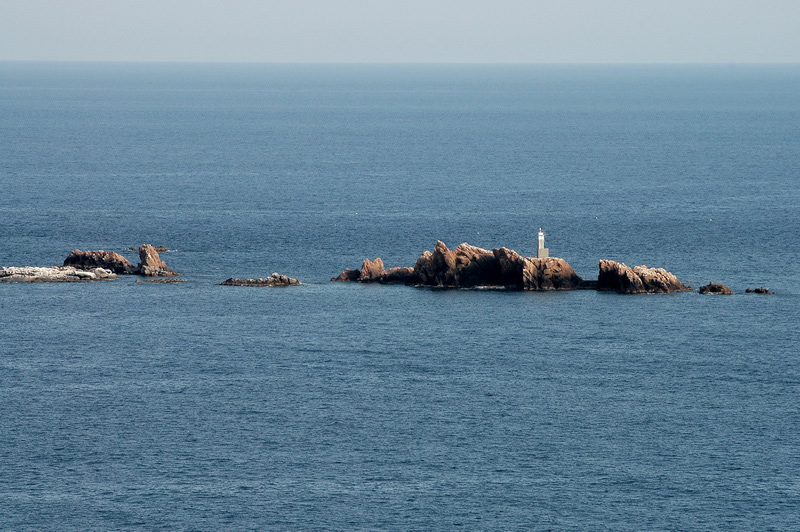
(542, 252)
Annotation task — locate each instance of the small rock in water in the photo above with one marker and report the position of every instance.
(715, 288)
(275, 279)
(760, 290)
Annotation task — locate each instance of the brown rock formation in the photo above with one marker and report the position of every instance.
(436, 268)
(469, 266)
(510, 266)
(371, 270)
(400, 274)
(374, 272)
(621, 278)
(109, 260)
(151, 264)
(550, 273)
(465, 266)
(715, 288)
(348, 275)
(760, 290)
(275, 279)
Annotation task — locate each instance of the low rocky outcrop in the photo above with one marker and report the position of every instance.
(760, 290)
(109, 260)
(621, 278)
(715, 288)
(373, 271)
(400, 274)
(347, 275)
(275, 279)
(469, 266)
(56, 274)
(151, 265)
(160, 281)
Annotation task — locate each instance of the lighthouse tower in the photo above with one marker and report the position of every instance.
(542, 252)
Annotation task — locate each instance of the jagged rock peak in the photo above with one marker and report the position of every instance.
(371, 270)
(151, 264)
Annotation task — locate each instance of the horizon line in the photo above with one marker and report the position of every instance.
(416, 63)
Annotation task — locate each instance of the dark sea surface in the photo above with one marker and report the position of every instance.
(336, 406)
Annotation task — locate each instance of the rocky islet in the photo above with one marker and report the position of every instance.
(468, 266)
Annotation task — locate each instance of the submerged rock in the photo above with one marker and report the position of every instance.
(275, 279)
(715, 288)
(56, 274)
(151, 264)
(621, 278)
(760, 290)
(109, 260)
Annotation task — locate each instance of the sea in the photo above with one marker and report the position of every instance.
(342, 406)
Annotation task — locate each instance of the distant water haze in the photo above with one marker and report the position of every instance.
(449, 31)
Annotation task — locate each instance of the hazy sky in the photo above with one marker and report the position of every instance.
(534, 31)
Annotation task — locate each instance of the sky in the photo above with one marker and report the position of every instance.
(403, 31)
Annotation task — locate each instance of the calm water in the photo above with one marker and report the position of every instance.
(349, 407)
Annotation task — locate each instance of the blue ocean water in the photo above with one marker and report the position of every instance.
(335, 406)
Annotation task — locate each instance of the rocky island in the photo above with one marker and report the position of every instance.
(91, 266)
(469, 266)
